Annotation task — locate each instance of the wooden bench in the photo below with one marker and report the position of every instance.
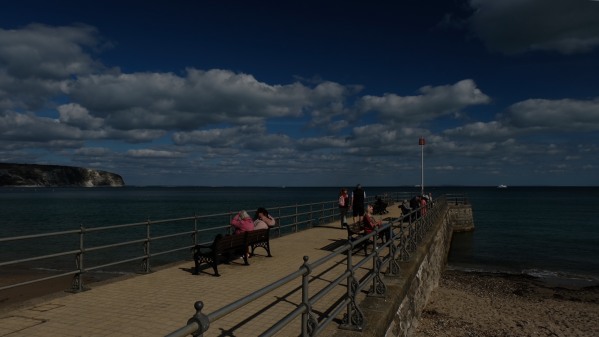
(223, 247)
(259, 238)
(354, 232)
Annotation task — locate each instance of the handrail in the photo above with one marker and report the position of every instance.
(384, 258)
(103, 241)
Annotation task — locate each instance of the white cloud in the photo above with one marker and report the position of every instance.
(481, 130)
(432, 103)
(516, 26)
(76, 115)
(150, 153)
(167, 101)
(564, 114)
(218, 120)
(38, 61)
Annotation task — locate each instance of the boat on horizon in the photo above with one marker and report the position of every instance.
(502, 186)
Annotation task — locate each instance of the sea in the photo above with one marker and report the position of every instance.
(547, 232)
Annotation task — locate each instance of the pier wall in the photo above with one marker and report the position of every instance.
(408, 294)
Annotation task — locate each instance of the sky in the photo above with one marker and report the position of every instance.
(305, 93)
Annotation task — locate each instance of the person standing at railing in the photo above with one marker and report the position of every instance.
(358, 197)
(242, 222)
(423, 205)
(263, 220)
(415, 206)
(343, 206)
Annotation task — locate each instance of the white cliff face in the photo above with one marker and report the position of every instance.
(55, 175)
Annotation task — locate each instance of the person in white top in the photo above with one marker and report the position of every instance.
(263, 220)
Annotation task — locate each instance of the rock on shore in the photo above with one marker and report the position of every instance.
(55, 176)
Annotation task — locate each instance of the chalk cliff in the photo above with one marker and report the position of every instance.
(55, 176)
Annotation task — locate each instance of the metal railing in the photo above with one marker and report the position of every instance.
(407, 232)
(136, 247)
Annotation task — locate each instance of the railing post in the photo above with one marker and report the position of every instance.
(309, 323)
(145, 264)
(295, 219)
(412, 232)
(353, 319)
(393, 269)
(379, 289)
(77, 282)
(200, 319)
(195, 230)
(321, 217)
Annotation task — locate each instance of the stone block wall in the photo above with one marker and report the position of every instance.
(407, 294)
(425, 268)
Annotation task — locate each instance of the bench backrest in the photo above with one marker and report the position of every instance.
(354, 228)
(230, 241)
(259, 235)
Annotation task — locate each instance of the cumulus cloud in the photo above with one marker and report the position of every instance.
(41, 51)
(481, 131)
(432, 102)
(564, 114)
(516, 26)
(22, 127)
(201, 98)
(60, 99)
(76, 115)
(38, 61)
(151, 153)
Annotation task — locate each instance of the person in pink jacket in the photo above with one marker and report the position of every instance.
(242, 222)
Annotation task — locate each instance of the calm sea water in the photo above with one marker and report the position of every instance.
(544, 231)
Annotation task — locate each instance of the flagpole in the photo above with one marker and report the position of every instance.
(421, 142)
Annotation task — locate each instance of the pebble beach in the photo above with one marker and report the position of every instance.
(484, 304)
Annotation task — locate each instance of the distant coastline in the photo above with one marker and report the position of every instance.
(34, 175)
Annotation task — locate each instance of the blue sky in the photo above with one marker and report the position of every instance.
(305, 93)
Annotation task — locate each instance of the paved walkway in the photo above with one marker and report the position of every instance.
(161, 302)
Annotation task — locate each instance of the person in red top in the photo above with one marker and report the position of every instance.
(343, 206)
(370, 223)
(423, 205)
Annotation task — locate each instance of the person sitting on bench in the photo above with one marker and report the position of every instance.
(242, 222)
(380, 207)
(263, 220)
(370, 224)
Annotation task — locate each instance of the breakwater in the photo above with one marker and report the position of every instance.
(419, 275)
(400, 280)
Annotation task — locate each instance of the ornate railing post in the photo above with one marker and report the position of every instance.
(309, 323)
(393, 269)
(353, 319)
(412, 235)
(404, 254)
(379, 289)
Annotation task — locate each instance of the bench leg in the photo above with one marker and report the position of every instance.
(215, 268)
(265, 245)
